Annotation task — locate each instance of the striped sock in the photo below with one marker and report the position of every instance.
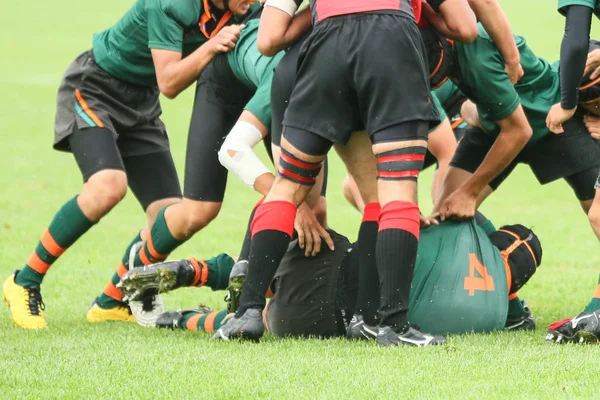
(160, 243)
(594, 304)
(209, 322)
(68, 225)
(112, 297)
(214, 272)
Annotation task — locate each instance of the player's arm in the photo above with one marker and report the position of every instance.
(452, 18)
(280, 25)
(493, 19)
(442, 144)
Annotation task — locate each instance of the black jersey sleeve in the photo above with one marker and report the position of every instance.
(435, 4)
(573, 53)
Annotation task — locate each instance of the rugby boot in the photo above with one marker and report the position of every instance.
(147, 310)
(525, 322)
(26, 305)
(359, 330)
(248, 326)
(162, 277)
(584, 328)
(234, 289)
(411, 336)
(98, 314)
(172, 319)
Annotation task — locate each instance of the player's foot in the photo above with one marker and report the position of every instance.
(25, 304)
(525, 322)
(234, 289)
(410, 337)
(147, 311)
(119, 313)
(358, 330)
(162, 277)
(581, 329)
(172, 319)
(248, 326)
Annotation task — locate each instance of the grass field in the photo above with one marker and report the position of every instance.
(74, 359)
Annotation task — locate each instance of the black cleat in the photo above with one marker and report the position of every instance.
(234, 289)
(248, 326)
(358, 330)
(172, 319)
(525, 322)
(584, 328)
(143, 282)
(410, 337)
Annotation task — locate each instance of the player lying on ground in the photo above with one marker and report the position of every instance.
(573, 55)
(569, 330)
(108, 116)
(441, 144)
(463, 280)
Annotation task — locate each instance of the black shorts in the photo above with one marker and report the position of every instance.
(88, 97)
(361, 71)
(553, 157)
(314, 296)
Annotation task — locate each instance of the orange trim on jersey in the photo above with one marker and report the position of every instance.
(87, 110)
(507, 269)
(456, 123)
(50, 244)
(209, 322)
(207, 16)
(37, 264)
(513, 296)
(121, 270)
(192, 323)
(517, 243)
(155, 254)
(112, 291)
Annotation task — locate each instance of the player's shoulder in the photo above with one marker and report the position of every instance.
(185, 12)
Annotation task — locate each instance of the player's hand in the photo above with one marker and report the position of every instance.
(514, 72)
(310, 232)
(226, 39)
(427, 221)
(593, 64)
(460, 205)
(592, 124)
(469, 112)
(557, 116)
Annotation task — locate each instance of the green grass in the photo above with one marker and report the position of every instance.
(74, 359)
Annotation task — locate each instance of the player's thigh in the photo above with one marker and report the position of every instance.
(361, 164)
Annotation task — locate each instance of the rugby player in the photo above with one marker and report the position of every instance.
(108, 116)
(463, 280)
(573, 56)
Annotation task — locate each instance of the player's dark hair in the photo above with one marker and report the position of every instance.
(440, 56)
(589, 90)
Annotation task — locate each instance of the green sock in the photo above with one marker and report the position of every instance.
(594, 304)
(106, 299)
(209, 322)
(484, 223)
(515, 308)
(219, 268)
(68, 225)
(159, 244)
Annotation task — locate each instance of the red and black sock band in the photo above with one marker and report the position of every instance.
(296, 170)
(401, 164)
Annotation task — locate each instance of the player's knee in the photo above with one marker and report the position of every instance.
(104, 190)
(198, 214)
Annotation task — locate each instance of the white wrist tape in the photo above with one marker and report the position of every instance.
(245, 164)
(287, 6)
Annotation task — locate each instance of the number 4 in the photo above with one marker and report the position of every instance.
(473, 283)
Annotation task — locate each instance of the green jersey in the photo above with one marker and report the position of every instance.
(460, 281)
(481, 77)
(123, 50)
(593, 4)
(254, 70)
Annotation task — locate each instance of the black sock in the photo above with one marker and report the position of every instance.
(245, 251)
(367, 301)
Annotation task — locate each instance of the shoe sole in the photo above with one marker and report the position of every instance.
(234, 290)
(137, 284)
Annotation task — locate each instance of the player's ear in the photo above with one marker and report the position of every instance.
(440, 56)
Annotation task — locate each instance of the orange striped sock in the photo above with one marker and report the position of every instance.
(160, 243)
(209, 322)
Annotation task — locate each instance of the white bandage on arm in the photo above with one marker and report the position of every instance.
(287, 6)
(245, 164)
